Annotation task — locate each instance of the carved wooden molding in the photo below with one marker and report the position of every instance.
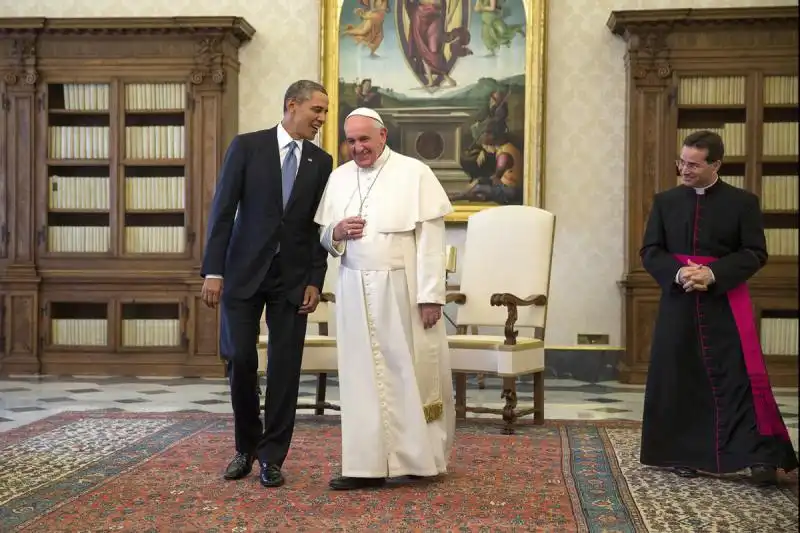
(209, 61)
(234, 27)
(211, 34)
(652, 35)
(639, 21)
(649, 55)
(23, 56)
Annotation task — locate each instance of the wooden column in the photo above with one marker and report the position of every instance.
(649, 154)
(208, 83)
(19, 279)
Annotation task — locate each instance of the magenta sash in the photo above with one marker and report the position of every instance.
(768, 417)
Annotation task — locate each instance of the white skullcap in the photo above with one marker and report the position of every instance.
(366, 112)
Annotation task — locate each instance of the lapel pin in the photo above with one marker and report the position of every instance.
(309, 160)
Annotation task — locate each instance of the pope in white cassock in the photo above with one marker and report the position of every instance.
(383, 214)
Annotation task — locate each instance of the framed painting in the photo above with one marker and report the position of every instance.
(459, 84)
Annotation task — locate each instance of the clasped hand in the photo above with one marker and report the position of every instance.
(695, 277)
(350, 228)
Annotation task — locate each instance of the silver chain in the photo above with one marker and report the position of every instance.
(363, 198)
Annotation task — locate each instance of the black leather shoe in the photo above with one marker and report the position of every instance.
(240, 466)
(355, 483)
(271, 475)
(764, 475)
(682, 471)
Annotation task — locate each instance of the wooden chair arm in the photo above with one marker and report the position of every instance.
(511, 302)
(327, 297)
(455, 297)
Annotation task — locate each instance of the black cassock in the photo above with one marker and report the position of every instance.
(708, 404)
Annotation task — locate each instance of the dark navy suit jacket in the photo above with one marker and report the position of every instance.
(241, 248)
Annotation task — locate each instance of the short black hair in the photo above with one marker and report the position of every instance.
(301, 91)
(709, 141)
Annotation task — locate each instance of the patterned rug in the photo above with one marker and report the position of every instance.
(148, 472)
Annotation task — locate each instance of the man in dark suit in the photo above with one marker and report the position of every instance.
(263, 241)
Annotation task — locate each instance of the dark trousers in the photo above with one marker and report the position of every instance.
(287, 330)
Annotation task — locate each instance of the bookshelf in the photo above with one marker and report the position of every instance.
(115, 130)
(733, 71)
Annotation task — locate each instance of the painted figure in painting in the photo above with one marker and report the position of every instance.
(369, 32)
(366, 95)
(495, 31)
(452, 101)
(434, 38)
(493, 162)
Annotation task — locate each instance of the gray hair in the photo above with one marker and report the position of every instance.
(301, 90)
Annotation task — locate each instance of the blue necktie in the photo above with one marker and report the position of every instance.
(288, 172)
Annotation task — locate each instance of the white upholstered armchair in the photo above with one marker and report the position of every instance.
(505, 281)
(319, 353)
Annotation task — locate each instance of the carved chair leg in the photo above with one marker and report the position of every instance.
(538, 398)
(510, 409)
(322, 384)
(461, 395)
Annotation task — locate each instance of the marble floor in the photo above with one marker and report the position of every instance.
(25, 399)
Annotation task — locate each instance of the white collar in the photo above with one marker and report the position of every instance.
(702, 190)
(284, 138)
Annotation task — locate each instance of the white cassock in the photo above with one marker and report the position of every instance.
(395, 384)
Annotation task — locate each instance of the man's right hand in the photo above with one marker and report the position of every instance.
(211, 292)
(350, 228)
(685, 277)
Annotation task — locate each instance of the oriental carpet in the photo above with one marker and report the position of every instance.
(161, 472)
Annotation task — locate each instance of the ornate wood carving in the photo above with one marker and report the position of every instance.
(209, 61)
(648, 56)
(23, 60)
(511, 302)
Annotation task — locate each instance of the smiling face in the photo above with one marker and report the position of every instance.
(305, 117)
(695, 170)
(365, 140)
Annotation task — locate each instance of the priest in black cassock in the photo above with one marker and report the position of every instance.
(708, 403)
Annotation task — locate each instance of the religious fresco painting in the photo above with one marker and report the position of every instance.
(449, 80)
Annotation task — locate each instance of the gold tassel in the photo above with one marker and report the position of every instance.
(433, 411)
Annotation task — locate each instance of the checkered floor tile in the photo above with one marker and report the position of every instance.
(24, 399)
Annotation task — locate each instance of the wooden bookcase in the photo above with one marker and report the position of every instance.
(112, 134)
(734, 71)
